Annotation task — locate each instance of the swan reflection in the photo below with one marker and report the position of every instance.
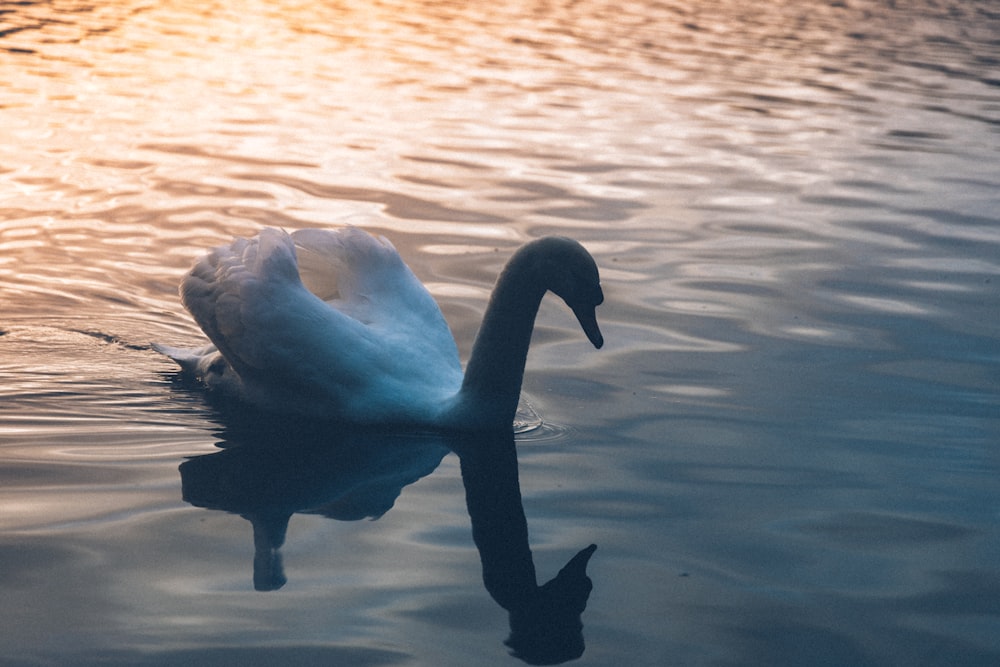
(268, 472)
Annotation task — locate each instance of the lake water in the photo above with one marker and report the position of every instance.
(786, 453)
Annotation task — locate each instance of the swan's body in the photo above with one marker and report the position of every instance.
(333, 324)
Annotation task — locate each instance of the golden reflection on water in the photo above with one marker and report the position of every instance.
(131, 101)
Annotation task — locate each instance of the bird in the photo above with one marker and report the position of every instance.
(332, 324)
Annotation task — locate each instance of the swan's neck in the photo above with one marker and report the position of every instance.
(492, 383)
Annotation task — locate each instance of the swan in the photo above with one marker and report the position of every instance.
(333, 324)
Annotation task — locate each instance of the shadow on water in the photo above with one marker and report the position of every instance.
(267, 470)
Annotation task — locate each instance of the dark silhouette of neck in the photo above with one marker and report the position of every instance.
(493, 376)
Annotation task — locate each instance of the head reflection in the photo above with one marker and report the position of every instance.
(267, 473)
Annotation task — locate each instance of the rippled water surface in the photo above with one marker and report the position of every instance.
(786, 453)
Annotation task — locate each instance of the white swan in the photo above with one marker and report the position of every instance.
(333, 324)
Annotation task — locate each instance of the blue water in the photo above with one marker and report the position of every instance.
(786, 452)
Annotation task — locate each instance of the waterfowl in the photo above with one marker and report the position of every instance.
(333, 324)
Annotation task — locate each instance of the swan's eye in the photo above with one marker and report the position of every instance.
(598, 295)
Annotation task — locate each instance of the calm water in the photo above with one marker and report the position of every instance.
(786, 453)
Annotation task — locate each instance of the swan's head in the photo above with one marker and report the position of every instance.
(569, 271)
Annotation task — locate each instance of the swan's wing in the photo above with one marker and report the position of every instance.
(365, 277)
(248, 299)
(283, 340)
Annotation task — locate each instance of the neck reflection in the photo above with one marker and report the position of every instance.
(545, 625)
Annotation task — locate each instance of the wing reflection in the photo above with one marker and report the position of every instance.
(266, 473)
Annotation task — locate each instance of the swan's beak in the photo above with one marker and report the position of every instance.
(587, 317)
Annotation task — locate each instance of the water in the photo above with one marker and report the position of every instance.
(786, 453)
